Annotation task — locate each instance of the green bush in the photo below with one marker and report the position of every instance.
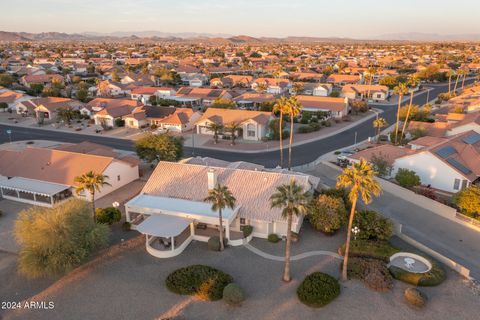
(233, 294)
(108, 215)
(247, 230)
(468, 201)
(202, 281)
(214, 243)
(382, 250)
(119, 122)
(415, 297)
(274, 238)
(126, 226)
(305, 129)
(56, 240)
(407, 178)
(434, 277)
(372, 226)
(339, 193)
(327, 213)
(318, 289)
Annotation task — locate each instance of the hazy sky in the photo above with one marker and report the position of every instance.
(344, 18)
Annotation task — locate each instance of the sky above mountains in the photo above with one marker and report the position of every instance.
(278, 18)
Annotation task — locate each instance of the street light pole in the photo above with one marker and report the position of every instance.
(428, 95)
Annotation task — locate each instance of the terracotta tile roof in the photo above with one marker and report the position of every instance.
(364, 88)
(436, 129)
(322, 103)
(255, 97)
(10, 96)
(145, 90)
(387, 151)
(227, 116)
(251, 188)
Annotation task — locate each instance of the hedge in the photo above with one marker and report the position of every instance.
(318, 289)
(205, 282)
(382, 250)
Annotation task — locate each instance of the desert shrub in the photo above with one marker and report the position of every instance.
(339, 193)
(372, 225)
(327, 213)
(214, 243)
(202, 281)
(126, 226)
(426, 192)
(407, 178)
(233, 294)
(468, 201)
(108, 215)
(247, 230)
(274, 238)
(434, 277)
(305, 129)
(373, 272)
(381, 250)
(55, 240)
(318, 289)
(119, 122)
(415, 297)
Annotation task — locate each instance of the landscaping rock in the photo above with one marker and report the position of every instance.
(415, 297)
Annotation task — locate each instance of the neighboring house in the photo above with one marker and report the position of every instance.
(46, 108)
(108, 88)
(231, 81)
(136, 119)
(202, 96)
(254, 124)
(171, 205)
(314, 89)
(43, 79)
(181, 120)
(12, 98)
(143, 94)
(343, 79)
(335, 107)
(364, 91)
(272, 85)
(46, 177)
(252, 100)
(468, 122)
(165, 93)
(307, 76)
(105, 111)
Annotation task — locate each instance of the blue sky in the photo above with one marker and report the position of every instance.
(344, 18)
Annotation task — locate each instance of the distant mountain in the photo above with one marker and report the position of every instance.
(157, 34)
(11, 36)
(418, 36)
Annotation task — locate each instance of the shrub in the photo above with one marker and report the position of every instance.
(415, 297)
(272, 237)
(126, 226)
(339, 193)
(233, 294)
(202, 281)
(318, 289)
(372, 225)
(214, 243)
(327, 213)
(370, 249)
(407, 178)
(468, 201)
(108, 215)
(427, 192)
(55, 240)
(377, 277)
(247, 230)
(305, 129)
(428, 279)
(119, 122)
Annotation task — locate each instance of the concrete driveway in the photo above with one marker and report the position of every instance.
(10, 211)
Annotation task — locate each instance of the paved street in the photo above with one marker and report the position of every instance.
(451, 239)
(302, 154)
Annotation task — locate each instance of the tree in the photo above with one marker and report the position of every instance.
(280, 107)
(327, 213)
(55, 240)
(92, 183)
(378, 124)
(104, 88)
(293, 108)
(450, 74)
(360, 179)
(36, 88)
(6, 80)
(233, 128)
(372, 226)
(293, 200)
(413, 82)
(159, 147)
(216, 128)
(108, 215)
(359, 106)
(82, 94)
(66, 114)
(223, 104)
(115, 77)
(297, 88)
(371, 73)
(401, 89)
(459, 73)
(381, 164)
(389, 81)
(407, 178)
(220, 198)
(468, 201)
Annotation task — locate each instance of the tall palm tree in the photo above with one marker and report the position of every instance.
(459, 73)
(220, 198)
(379, 123)
(297, 88)
(293, 200)
(216, 128)
(464, 72)
(450, 75)
(233, 129)
(293, 108)
(91, 182)
(401, 90)
(280, 106)
(371, 73)
(360, 179)
(413, 82)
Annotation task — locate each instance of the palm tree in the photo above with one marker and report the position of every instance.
(379, 123)
(292, 199)
(293, 108)
(459, 72)
(360, 179)
(464, 72)
(216, 128)
(450, 75)
(413, 82)
(91, 182)
(233, 129)
(220, 198)
(401, 90)
(280, 106)
(371, 74)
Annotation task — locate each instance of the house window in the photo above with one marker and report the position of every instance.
(464, 184)
(242, 221)
(456, 184)
(379, 95)
(251, 132)
(118, 178)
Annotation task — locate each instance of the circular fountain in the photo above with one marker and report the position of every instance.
(410, 262)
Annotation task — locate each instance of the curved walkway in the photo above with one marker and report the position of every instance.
(293, 258)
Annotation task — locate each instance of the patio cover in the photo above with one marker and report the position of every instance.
(44, 188)
(160, 225)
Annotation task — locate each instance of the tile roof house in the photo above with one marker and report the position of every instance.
(44, 79)
(180, 120)
(254, 124)
(272, 85)
(204, 96)
(46, 108)
(105, 111)
(360, 91)
(335, 107)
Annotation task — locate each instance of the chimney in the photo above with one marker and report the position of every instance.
(212, 179)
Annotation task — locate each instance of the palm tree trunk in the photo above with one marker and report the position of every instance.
(222, 247)
(449, 85)
(456, 83)
(347, 244)
(408, 114)
(280, 123)
(286, 271)
(290, 143)
(400, 96)
(463, 80)
(92, 194)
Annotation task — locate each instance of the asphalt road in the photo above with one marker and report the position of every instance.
(302, 154)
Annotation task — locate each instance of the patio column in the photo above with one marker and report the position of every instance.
(192, 229)
(173, 243)
(127, 214)
(35, 197)
(227, 230)
(51, 200)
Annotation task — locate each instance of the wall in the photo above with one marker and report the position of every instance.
(127, 174)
